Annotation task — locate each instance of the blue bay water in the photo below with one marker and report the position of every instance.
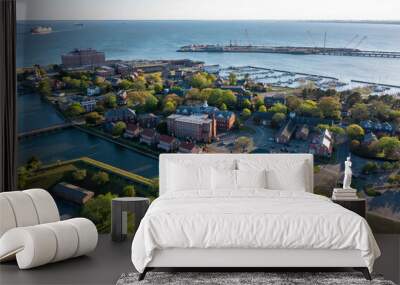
(161, 39)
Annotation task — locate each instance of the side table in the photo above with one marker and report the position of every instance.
(119, 215)
(358, 205)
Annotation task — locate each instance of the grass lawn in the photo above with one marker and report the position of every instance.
(48, 178)
(50, 175)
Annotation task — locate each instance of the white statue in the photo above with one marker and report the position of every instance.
(347, 174)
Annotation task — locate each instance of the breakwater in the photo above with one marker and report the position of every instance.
(294, 50)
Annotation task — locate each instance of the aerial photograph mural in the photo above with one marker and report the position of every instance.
(100, 99)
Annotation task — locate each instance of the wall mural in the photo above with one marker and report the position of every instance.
(100, 100)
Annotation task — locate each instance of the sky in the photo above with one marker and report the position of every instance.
(208, 9)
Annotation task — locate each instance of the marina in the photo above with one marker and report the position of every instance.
(290, 79)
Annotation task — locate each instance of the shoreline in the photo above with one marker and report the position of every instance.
(104, 137)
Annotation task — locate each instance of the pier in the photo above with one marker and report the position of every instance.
(290, 50)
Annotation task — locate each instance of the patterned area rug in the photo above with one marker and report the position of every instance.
(243, 278)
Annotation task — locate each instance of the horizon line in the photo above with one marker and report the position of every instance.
(294, 20)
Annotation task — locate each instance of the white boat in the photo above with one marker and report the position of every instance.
(41, 30)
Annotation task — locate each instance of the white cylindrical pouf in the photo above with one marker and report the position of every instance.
(34, 246)
(45, 205)
(7, 218)
(23, 208)
(67, 240)
(87, 234)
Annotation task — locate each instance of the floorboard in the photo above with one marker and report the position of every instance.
(111, 259)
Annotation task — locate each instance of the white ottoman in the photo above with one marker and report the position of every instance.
(35, 244)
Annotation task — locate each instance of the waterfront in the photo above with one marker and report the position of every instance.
(161, 39)
(286, 74)
(71, 143)
(35, 113)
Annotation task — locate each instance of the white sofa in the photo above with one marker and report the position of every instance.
(31, 231)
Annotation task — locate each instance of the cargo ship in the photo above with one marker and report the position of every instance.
(41, 30)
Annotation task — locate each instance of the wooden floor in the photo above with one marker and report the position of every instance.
(110, 260)
(103, 266)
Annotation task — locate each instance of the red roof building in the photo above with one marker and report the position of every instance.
(168, 143)
(132, 131)
(187, 147)
(149, 137)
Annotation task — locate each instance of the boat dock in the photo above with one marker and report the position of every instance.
(289, 50)
(374, 83)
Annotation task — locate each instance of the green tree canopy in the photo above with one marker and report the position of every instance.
(246, 104)
(129, 191)
(309, 108)
(100, 178)
(110, 101)
(138, 97)
(175, 99)
(278, 119)
(196, 94)
(353, 98)
(151, 103)
(278, 108)
(330, 107)
(98, 210)
(202, 80)
(158, 88)
(33, 163)
(232, 79)
(380, 110)
(217, 97)
(370, 167)
(337, 130)
(119, 128)
(262, 109)
(243, 143)
(359, 112)
(389, 145)
(246, 113)
(354, 131)
(93, 118)
(169, 107)
(293, 102)
(223, 107)
(45, 87)
(79, 174)
(259, 102)
(75, 109)
(126, 84)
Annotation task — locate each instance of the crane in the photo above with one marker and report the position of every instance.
(310, 37)
(351, 41)
(360, 42)
(246, 32)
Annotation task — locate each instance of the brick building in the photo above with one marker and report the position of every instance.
(196, 127)
(82, 57)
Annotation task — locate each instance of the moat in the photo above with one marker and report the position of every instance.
(72, 143)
